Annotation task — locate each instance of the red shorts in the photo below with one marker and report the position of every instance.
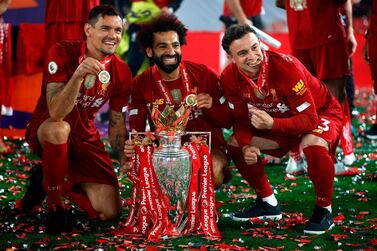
(372, 50)
(329, 128)
(88, 161)
(329, 61)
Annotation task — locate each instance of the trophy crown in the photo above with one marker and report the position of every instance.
(170, 121)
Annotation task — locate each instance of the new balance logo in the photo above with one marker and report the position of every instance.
(97, 103)
(282, 107)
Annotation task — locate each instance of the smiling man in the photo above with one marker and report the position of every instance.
(80, 77)
(171, 80)
(277, 104)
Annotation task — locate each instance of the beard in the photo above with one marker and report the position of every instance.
(168, 68)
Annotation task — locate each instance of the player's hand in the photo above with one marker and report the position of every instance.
(125, 165)
(250, 154)
(204, 100)
(89, 66)
(366, 53)
(246, 21)
(260, 119)
(129, 148)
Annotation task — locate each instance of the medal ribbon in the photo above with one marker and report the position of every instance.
(164, 90)
(262, 78)
(104, 61)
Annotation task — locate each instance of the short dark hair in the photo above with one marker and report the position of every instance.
(101, 11)
(234, 32)
(161, 23)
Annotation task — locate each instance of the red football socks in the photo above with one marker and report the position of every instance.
(346, 138)
(295, 153)
(321, 173)
(83, 202)
(55, 165)
(253, 174)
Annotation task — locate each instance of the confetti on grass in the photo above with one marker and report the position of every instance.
(354, 208)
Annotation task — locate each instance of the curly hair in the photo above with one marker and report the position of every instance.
(161, 23)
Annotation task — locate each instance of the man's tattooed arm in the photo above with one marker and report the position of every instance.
(117, 133)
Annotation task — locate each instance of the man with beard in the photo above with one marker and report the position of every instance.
(276, 105)
(80, 77)
(140, 11)
(170, 80)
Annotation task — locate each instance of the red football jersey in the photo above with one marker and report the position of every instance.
(293, 97)
(251, 8)
(65, 20)
(202, 79)
(62, 61)
(69, 10)
(313, 23)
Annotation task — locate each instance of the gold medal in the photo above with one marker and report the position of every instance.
(190, 100)
(104, 77)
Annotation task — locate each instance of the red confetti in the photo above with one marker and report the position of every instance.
(339, 219)
(151, 248)
(21, 236)
(353, 244)
(373, 156)
(364, 213)
(373, 241)
(338, 237)
(290, 177)
(224, 246)
(303, 241)
(102, 241)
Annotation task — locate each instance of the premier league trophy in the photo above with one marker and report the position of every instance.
(172, 163)
(173, 192)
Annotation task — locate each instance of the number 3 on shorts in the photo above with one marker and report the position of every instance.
(325, 125)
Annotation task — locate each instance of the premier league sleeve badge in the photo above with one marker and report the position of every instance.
(52, 67)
